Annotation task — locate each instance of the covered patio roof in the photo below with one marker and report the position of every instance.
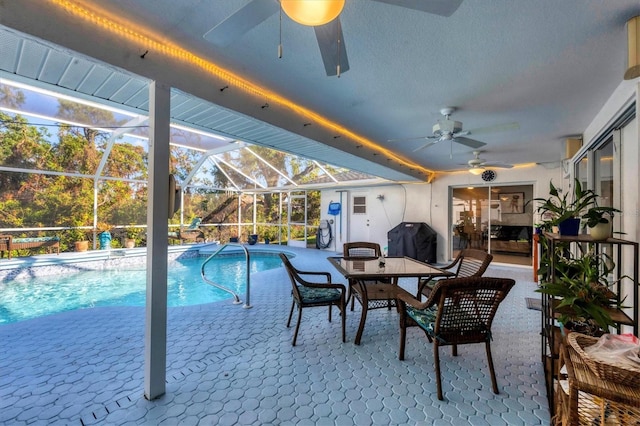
(45, 72)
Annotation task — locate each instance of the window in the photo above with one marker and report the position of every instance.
(359, 205)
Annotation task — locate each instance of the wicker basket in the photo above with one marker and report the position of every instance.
(621, 374)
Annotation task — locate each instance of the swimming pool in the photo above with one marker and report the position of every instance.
(126, 286)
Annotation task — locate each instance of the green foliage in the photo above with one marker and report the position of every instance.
(598, 214)
(566, 206)
(582, 287)
(44, 200)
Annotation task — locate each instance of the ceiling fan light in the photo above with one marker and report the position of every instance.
(476, 171)
(633, 48)
(312, 12)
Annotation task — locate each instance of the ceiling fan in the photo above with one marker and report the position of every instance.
(329, 36)
(450, 130)
(477, 165)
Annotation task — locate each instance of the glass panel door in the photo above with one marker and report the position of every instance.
(470, 218)
(497, 219)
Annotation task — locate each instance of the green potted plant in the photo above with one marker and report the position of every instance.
(79, 238)
(132, 235)
(582, 292)
(566, 209)
(598, 219)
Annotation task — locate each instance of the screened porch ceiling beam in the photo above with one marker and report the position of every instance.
(215, 162)
(135, 122)
(67, 174)
(211, 153)
(271, 166)
(240, 172)
(327, 172)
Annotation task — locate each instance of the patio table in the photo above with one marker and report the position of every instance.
(366, 272)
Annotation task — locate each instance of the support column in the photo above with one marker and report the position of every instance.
(155, 356)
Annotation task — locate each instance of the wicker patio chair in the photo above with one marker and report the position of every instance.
(468, 263)
(459, 311)
(309, 294)
(364, 250)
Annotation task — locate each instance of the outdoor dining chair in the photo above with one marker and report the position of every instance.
(458, 311)
(468, 263)
(364, 250)
(309, 294)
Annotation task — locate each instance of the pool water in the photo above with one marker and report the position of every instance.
(24, 299)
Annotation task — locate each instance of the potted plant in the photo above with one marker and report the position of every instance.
(132, 235)
(79, 238)
(598, 219)
(566, 212)
(582, 292)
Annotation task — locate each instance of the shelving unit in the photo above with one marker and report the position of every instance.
(551, 338)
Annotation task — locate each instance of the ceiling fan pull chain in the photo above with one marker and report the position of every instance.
(338, 44)
(280, 35)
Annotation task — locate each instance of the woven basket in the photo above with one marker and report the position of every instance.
(621, 373)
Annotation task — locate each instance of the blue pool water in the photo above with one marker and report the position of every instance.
(36, 297)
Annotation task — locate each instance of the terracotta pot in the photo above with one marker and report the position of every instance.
(81, 245)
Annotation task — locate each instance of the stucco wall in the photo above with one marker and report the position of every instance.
(429, 203)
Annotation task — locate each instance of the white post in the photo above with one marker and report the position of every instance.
(155, 357)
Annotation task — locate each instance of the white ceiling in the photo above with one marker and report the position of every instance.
(549, 65)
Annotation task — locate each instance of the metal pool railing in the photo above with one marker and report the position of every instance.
(236, 298)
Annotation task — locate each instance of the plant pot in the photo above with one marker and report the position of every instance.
(233, 239)
(267, 241)
(569, 226)
(81, 245)
(253, 238)
(129, 243)
(584, 327)
(601, 231)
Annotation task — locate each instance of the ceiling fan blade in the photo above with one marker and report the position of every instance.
(492, 129)
(498, 165)
(437, 7)
(332, 47)
(241, 21)
(471, 143)
(413, 139)
(427, 145)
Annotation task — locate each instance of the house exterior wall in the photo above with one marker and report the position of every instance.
(426, 202)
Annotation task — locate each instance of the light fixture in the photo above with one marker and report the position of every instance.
(476, 171)
(312, 12)
(633, 48)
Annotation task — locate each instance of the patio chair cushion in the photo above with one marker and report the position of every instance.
(425, 318)
(35, 239)
(318, 295)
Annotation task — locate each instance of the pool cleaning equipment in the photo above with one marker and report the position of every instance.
(324, 236)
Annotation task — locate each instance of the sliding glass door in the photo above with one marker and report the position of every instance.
(497, 219)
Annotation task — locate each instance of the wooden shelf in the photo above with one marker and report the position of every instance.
(617, 315)
(551, 312)
(585, 238)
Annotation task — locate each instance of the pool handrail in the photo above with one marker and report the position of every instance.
(236, 298)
